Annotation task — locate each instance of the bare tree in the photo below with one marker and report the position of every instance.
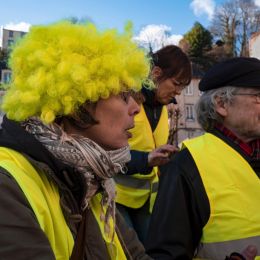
(153, 37)
(234, 22)
(224, 25)
(250, 22)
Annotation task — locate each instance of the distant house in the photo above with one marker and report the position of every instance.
(5, 74)
(8, 38)
(188, 126)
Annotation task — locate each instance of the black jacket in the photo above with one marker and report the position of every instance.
(182, 208)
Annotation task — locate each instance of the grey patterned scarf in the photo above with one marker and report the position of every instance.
(97, 165)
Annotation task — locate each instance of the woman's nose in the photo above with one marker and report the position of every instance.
(178, 91)
(134, 107)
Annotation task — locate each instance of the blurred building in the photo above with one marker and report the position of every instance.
(5, 74)
(188, 126)
(8, 38)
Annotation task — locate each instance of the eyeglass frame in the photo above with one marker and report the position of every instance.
(257, 95)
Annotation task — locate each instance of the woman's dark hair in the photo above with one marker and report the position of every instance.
(82, 118)
(173, 63)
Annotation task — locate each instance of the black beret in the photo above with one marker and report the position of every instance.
(237, 72)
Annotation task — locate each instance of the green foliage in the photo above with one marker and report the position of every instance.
(199, 40)
(3, 56)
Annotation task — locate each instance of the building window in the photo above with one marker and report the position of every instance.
(6, 76)
(189, 90)
(189, 110)
(22, 34)
(10, 42)
(11, 34)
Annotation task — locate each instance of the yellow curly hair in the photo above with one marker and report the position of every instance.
(58, 67)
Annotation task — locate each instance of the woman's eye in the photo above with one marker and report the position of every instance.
(176, 83)
(138, 97)
(125, 96)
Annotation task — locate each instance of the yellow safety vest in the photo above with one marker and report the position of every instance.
(233, 190)
(114, 247)
(133, 191)
(44, 199)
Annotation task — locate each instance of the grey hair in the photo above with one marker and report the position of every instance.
(207, 115)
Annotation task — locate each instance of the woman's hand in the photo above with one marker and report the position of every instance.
(161, 155)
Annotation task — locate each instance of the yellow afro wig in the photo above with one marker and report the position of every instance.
(58, 67)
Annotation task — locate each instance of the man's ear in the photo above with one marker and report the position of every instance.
(221, 107)
(156, 72)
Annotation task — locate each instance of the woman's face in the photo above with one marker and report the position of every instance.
(115, 117)
(167, 88)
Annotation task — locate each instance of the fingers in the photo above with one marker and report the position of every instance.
(158, 161)
(167, 148)
(250, 252)
(161, 155)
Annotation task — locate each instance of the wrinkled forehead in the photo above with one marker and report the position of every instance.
(248, 89)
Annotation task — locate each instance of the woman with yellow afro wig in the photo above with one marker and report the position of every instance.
(69, 108)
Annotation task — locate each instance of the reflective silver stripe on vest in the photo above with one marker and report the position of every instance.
(135, 183)
(220, 250)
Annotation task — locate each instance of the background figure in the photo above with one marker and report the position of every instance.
(209, 192)
(69, 110)
(137, 188)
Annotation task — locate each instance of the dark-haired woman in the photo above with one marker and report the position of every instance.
(137, 188)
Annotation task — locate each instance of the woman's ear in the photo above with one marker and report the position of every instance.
(156, 72)
(221, 107)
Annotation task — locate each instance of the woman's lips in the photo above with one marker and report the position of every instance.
(129, 134)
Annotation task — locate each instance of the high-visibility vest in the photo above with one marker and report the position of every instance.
(114, 247)
(44, 199)
(133, 191)
(233, 190)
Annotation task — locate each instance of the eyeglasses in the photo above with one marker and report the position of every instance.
(257, 95)
(137, 96)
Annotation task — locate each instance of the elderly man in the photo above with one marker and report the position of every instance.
(207, 205)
